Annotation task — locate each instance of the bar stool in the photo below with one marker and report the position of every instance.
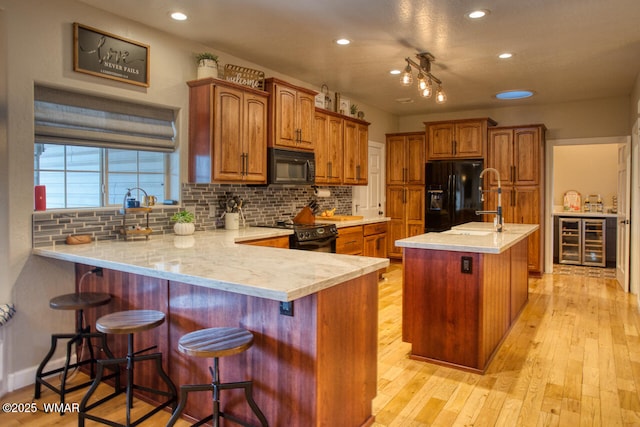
(129, 322)
(216, 343)
(83, 335)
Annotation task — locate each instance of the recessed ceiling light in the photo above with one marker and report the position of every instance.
(477, 14)
(514, 94)
(395, 72)
(179, 16)
(505, 55)
(343, 42)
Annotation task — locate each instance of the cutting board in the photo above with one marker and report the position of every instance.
(337, 218)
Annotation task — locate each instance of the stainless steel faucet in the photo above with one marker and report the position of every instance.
(498, 212)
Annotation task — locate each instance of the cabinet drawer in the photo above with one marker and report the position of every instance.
(376, 228)
(350, 240)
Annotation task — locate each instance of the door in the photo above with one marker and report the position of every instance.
(368, 201)
(624, 199)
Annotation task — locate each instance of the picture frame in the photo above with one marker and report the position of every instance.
(344, 107)
(106, 55)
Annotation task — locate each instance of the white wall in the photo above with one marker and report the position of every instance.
(587, 169)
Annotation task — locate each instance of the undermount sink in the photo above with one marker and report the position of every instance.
(468, 232)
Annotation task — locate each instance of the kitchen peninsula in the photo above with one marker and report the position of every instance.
(463, 289)
(298, 359)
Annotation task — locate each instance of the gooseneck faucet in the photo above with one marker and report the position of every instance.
(498, 212)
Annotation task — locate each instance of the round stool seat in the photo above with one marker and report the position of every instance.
(79, 301)
(130, 321)
(216, 342)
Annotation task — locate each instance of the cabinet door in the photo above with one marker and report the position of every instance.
(254, 133)
(526, 156)
(415, 159)
(527, 211)
(305, 111)
(284, 120)
(351, 152)
(227, 135)
(362, 156)
(321, 150)
(395, 231)
(375, 246)
(440, 142)
(414, 211)
(335, 150)
(396, 155)
(468, 140)
(350, 240)
(500, 156)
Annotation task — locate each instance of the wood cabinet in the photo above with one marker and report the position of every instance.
(405, 207)
(356, 145)
(291, 115)
(405, 188)
(375, 240)
(405, 158)
(518, 154)
(227, 132)
(457, 139)
(272, 242)
(328, 137)
(350, 240)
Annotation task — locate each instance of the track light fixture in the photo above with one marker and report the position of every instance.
(425, 78)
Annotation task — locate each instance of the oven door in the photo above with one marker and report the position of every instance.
(328, 244)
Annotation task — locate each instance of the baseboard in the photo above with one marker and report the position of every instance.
(26, 377)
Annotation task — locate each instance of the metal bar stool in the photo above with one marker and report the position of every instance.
(83, 335)
(129, 322)
(216, 343)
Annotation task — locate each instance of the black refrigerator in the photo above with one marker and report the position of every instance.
(452, 196)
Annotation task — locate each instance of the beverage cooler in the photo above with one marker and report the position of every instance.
(582, 241)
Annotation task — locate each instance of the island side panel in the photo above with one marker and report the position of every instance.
(129, 292)
(347, 352)
(519, 278)
(495, 303)
(282, 361)
(441, 306)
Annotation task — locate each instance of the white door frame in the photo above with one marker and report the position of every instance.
(548, 214)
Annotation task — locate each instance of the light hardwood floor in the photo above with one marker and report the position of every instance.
(571, 359)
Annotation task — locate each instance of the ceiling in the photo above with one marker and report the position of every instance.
(563, 50)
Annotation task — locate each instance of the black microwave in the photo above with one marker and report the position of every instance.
(291, 167)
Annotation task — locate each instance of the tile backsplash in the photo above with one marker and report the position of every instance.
(262, 205)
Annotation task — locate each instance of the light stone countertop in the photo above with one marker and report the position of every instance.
(581, 214)
(352, 223)
(471, 237)
(215, 259)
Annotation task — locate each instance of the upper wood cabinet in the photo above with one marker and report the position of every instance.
(405, 158)
(356, 148)
(291, 115)
(329, 154)
(227, 132)
(457, 139)
(515, 153)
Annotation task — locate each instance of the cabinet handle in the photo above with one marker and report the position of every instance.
(513, 174)
(245, 164)
(330, 169)
(455, 146)
(358, 172)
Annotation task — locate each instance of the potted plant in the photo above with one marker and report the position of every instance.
(354, 109)
(184, 225)
(207, 65)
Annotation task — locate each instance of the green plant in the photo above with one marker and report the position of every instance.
(206, 55)
(354, 109)
(183, 216)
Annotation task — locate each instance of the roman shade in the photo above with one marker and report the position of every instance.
(72, 118)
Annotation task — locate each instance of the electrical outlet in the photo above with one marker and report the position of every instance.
(212, 210)
(466, 265)
(286, 308)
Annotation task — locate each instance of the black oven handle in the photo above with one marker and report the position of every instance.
(317, 242)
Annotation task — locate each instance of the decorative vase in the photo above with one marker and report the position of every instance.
(207, 68)
(184, 228)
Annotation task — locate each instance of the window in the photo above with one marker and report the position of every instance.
(84, 177)
(90, 150)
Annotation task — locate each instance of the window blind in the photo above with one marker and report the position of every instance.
(71, 118)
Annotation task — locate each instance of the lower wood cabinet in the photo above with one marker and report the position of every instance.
(273, 242)
(350, 240)
(375, 240)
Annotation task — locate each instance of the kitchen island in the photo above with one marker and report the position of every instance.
(313, 315)
(463, 289)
